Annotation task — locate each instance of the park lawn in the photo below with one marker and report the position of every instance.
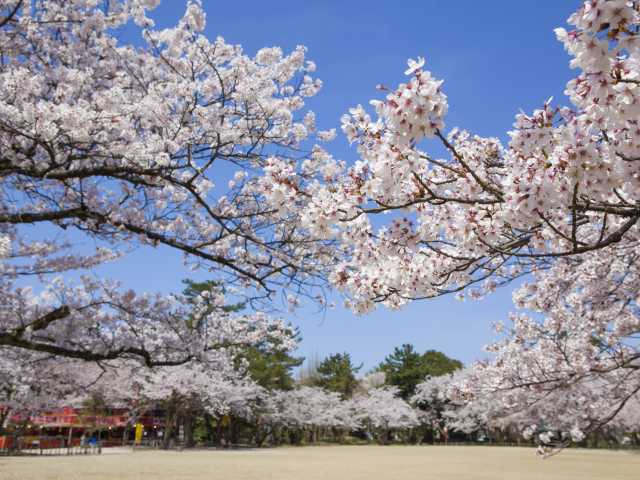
(329, 463)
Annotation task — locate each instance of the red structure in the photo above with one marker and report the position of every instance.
(67, 425)
(74, 417)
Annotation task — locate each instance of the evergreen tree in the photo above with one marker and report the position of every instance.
(272, 369)
(336, 373)
(405, 368)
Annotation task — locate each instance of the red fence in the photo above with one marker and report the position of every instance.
(44, 445)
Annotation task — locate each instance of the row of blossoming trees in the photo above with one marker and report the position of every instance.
(189, 144)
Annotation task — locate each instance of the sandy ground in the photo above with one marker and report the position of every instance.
(329, 463)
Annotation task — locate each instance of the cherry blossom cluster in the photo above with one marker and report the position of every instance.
(182, 142)
(568, 364)
(381, 409)
(308, 407)
(134, 358)
(123, 144)
(378, 410)
(415, 110)
(559, 202)
(566, 184)
(573, 359)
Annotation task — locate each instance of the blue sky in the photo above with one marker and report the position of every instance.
(496, 58)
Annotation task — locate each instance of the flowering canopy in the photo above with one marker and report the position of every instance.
(180, 142)
(124, 144)
(560, 201)
(191, 144)
(566, 183)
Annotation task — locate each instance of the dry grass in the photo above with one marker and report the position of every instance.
(329, 463)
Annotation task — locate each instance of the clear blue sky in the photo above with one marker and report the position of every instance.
(496, 58)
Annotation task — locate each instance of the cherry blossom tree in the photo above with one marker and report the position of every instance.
(382, 411)
(313, 412)
(211, 381)
(559, 202)
(326, 408)
(486, 214)
(574, 362)
(180, 142)
(304, 412)
(568, 368)
(448, 407)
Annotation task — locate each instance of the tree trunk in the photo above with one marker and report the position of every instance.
(125, 435)
(4, 420)
(187, 422)
(208, 425)
(169, 429)
(233, 430)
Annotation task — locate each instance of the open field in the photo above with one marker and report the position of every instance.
(329, 463)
